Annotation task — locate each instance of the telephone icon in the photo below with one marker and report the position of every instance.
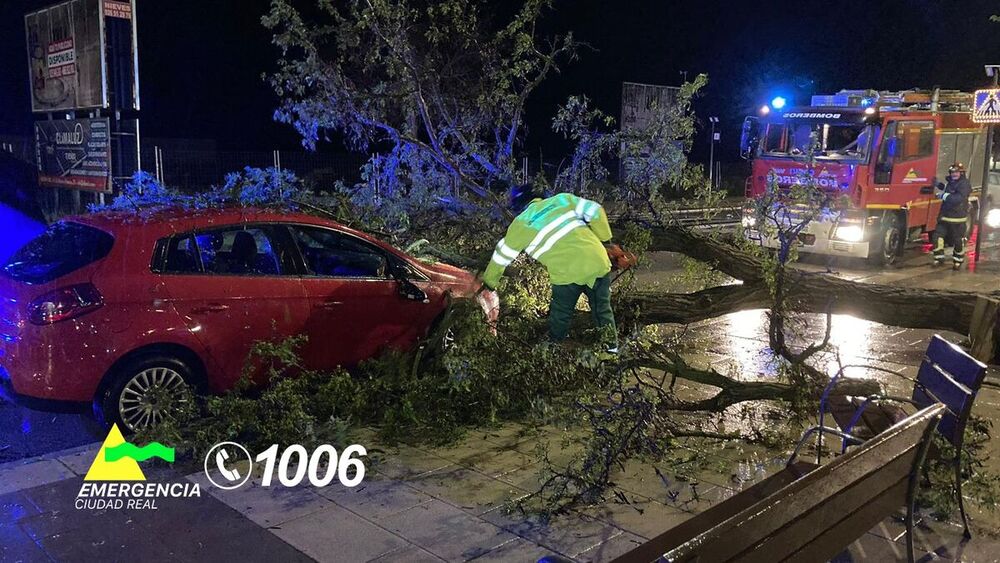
(220, 458)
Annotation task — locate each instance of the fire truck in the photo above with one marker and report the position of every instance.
(884, 151)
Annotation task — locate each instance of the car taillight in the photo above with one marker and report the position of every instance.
(64, 303)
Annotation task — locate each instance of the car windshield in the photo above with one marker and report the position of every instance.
(63, 248)
(839, 141)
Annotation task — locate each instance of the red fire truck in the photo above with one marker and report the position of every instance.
(885, 151)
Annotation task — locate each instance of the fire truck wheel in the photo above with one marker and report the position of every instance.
(885, 249)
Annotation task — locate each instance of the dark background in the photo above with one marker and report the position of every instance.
(201, 61)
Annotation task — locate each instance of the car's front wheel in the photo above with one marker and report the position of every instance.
(144, 391)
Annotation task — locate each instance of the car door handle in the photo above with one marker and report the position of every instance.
(927, 190)
(211, 308)
(328, 305)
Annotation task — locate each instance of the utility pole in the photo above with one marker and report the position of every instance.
(711, 153)
(994, 72)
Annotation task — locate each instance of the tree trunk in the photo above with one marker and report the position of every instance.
(934, 309)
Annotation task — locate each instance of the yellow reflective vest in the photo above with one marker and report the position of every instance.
(565, 233)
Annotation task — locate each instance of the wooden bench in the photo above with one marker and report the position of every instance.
(806, 512)
(947, 375)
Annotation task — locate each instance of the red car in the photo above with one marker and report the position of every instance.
(115, 308)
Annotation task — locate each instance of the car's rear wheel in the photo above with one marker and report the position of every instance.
(144, 391)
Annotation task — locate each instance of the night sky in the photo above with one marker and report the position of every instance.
(201, 61)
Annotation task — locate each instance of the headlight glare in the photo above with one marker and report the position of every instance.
(849, 233)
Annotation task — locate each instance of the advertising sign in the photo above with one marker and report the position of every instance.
(122, 53)
(120, 10)
(74, 153)
(640, 106)
(640, 102)
(66, 57)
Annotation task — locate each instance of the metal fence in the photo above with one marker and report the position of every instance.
(192, 165)
(199, 169)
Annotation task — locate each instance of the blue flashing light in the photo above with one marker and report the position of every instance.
(778, 102)
(18, 230)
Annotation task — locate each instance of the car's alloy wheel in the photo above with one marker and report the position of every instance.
(149, 397)
(144, 391)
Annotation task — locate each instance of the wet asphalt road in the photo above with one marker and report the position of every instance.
(27, 433)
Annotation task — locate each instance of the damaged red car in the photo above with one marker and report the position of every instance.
(113, 309)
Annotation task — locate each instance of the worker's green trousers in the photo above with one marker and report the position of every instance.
(564, 298)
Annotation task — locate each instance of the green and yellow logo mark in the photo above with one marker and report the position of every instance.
(117, 458)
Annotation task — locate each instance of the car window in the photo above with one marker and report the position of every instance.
(238, 251)
(63, 248)
(331, 253)
(916, 139)
(182, 256)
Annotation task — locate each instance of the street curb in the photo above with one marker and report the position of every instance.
(46, 469)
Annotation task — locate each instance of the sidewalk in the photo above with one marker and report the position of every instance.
(422, 505)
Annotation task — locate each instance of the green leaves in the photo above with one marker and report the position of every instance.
(444, 81)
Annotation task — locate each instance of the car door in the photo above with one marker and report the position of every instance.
(234, 286)
(357, 309)
(905, 170)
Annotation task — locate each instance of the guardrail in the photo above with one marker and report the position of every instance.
(696, 217)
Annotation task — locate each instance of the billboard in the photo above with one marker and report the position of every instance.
(640, 106)
(65, 56)
(74, 153)
(640, 102)
(73, 49)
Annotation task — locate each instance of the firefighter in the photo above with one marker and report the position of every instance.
(953, 217)
(568, 235)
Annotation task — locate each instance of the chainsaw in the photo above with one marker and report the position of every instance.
(621, 260)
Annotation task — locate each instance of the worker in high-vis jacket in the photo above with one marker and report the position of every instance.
(567, 234)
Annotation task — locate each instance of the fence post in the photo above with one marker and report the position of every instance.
(157, 166)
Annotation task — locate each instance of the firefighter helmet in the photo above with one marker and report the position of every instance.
(957, 167)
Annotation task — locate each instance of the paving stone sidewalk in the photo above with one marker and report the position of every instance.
(420, 504)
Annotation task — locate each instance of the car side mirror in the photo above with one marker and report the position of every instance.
(407, 288)
(410, 291)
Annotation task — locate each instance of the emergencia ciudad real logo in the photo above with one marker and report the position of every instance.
(116, 481)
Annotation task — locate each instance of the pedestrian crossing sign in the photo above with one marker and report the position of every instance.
(987, 106)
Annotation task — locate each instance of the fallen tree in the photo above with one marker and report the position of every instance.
(809, 292)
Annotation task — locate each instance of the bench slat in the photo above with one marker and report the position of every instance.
(794, 502)
(827, 513)
(765, 517)
(828, 544)
(944, 388)
(952, 359)
(652, 550)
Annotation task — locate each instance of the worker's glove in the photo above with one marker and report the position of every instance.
(489, 302)
(621, 259)
(939, 191)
